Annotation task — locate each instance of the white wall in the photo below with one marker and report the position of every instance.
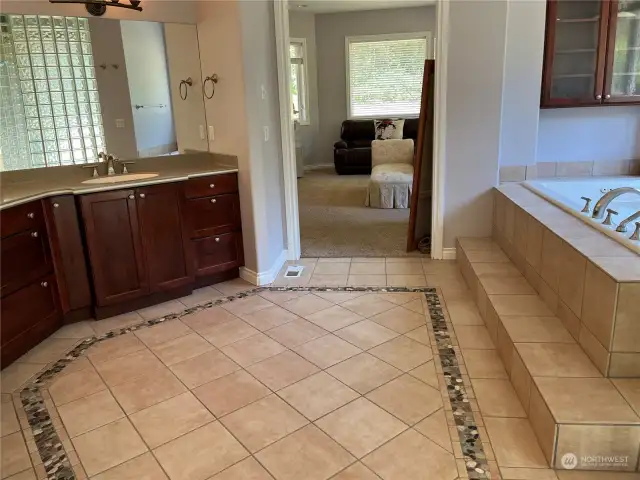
(148, 77)
(302, 25)
(331, 30)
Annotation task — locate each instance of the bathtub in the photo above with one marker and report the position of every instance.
(566, 193)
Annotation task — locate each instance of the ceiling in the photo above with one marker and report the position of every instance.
(331, 6)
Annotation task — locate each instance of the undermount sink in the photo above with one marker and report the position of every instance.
(127, 177)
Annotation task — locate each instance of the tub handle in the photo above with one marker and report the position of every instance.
(587, 205)
(636, 234)
(610, 213)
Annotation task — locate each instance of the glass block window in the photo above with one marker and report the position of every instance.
(54, 62)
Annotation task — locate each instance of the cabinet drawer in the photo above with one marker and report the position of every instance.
(209, 216)
(211, 185)
(217, 253)
(19, 218)
(25, 257)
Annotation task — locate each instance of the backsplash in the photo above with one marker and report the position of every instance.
(521, 173)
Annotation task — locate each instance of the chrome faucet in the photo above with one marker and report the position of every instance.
(607, 198)
(622, 226)
(111, 161)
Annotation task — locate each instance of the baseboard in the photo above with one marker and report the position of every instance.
(317, 167)
(449, 253)
(266, 277)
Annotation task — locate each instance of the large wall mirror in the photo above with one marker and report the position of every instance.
(72, 87)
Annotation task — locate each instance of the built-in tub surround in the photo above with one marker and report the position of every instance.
(520, 173)
(590, 281)
(568, 193)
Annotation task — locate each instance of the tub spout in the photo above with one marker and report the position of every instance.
(607, 198)
(622, 226)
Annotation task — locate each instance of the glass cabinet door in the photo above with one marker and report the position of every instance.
(623, 63)
(575, 56)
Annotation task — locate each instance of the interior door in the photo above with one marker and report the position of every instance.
(420, 208)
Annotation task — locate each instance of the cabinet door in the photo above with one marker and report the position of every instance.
(575, 52)
(115, 248)
(166, 247)
(622, 82)
(25, 257)
(218, 253)
(210, 216)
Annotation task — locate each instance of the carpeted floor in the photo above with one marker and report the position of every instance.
(335, 223)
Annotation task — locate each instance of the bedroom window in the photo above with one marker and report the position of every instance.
(384, 74)
(299, 80)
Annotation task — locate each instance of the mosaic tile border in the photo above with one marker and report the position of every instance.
(58, 466)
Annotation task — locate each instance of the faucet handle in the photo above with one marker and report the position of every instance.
(607, 221)
(95, 170)
(636, 234)
(125, 170)
(587, 205)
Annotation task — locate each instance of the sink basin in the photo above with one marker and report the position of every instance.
(120, 178)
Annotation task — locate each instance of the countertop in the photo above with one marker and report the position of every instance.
(27, 185)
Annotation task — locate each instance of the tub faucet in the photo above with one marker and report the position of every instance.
(607, 198)
(622, 226)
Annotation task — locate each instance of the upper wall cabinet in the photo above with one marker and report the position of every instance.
(592, 53)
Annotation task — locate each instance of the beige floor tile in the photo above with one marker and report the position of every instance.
(247, 469)
(556, 360)
(536, 330)
(529, 474)
(160, 310)
(8, 420)
(484, 364)
(514, 443)
(472, 336)
(400, 319)
(282, 370)
(114, 348)
(524, 305)
(77, 330)
(76, 385)
(364, 372)
(435, 428)
(269, 317)
(119, 321)
(327, 351)
(200, 454)
(204, 368)
(499, 285)
(232, 287)
(416, 306)
(296, 332)
(229, 393)
(163, 332)
(77, 365)
(326, 280)
(357, 471)
(366, 334)
(502, 269)
(368, 305)
(334, 260)
(24, 475)
(367, 280)
(282, 297)
(228, 332)
(247, 305)
(420, 334)
(253, 350)
(368, 260)
(334, 318)
(200, 296)
(427, 373)
(263, 422)
(146, 391)
(367, 268)
(333, 268)
(403, 353)
(497, 398)
(14, 457)
(127, 368)
(339, 297)
(404, 268)
(207, 318)
(144, 467)
(406, 280)
(409, 456)
(170, 419)
(89, 413)
(407, 398)
(181, 349)
(361, 426)
(308, 453)
(317, 395)
(306, 305)
(463, 312)
(440, 267)
(630, 390)
(16, 374)
(416, 259)
(401, 298)
(108, 446)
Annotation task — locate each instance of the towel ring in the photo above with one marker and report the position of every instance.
(187, 83)
(213, 79)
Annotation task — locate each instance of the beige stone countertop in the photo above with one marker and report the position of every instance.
(17, 187)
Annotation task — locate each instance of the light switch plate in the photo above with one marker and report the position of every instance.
(202, 133)
(264, 92)
(119, 122)
(266, 133)
(212, 135)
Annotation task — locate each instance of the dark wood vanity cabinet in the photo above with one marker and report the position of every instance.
(592, 53)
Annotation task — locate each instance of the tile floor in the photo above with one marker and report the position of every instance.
(281, 385)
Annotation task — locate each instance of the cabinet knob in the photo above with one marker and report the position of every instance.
(44, 284)
(217, 239)
(598, 97)
(34, 234)
(607, 96)
(56, 205)
(31, 215)
(212, 185)
(213, 200)
(142, 195)
(131, 197)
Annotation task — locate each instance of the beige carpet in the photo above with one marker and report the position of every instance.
(335, 223)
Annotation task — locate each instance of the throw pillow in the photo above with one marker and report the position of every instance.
(387, 128)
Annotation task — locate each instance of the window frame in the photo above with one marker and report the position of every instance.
(427, 35)
(305, 74)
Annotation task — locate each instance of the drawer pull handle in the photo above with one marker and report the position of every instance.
(34, 234)
(212, 185)
(213, 200)
(142, 195)
(131, 197)
(31, 215)
(56, 205)
(44, 284)
(217, 239)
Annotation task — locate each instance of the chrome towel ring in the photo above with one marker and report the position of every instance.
(213, 79)
(187, 83)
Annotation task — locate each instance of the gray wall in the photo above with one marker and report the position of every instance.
(331, 30)
(302, 25)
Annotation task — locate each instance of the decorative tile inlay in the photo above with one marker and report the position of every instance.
(57, 464)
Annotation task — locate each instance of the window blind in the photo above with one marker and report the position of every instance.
(385, 76)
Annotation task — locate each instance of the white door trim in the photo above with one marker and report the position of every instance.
(281, 14)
